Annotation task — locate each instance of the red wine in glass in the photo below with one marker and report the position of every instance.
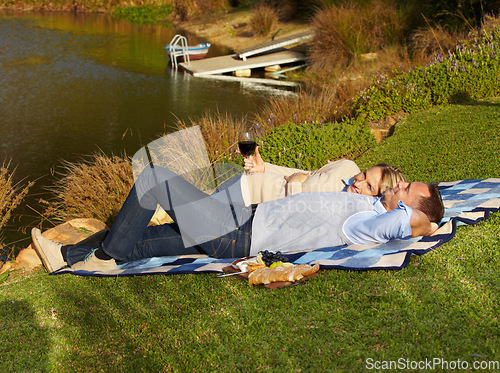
(247, 144)
(247, 148)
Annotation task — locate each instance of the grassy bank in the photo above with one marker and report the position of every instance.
(443, 305)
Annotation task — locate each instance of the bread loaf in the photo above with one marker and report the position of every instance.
(294, 273)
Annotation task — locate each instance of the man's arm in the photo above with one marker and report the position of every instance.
(401, 222)
(420, 224)
(370, 227)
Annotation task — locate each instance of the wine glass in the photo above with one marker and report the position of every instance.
(247, 143)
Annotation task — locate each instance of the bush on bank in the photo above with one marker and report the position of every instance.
(471, 71)
(310, 145)
(147, 14)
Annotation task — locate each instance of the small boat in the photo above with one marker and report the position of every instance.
(196, 52)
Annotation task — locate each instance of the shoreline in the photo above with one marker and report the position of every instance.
(231, 29)
(228, 29)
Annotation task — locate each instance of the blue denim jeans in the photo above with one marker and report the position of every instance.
(218, 225)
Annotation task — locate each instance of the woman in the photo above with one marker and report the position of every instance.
(266, 182)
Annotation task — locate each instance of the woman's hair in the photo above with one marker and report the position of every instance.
(391, 176)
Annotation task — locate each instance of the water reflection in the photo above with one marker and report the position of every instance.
(71, 84)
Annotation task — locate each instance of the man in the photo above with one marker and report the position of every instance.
(223, 226)
(312, 220)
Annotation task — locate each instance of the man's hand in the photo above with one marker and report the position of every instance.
(254, 163)
(297, 177)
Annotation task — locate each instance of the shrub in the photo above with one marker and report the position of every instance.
(147, 14)
(471, 71)
(309, 146)
(93, 188)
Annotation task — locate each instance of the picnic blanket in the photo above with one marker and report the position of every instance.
(465, 201)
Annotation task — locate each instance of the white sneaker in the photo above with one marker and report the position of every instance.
(91, 263)
(49, 251)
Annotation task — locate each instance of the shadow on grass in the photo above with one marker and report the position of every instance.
(107, 326)
(462, 98)
(24, 344)
(125, 323)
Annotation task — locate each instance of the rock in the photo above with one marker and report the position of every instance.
(160, 217)
(380, 134)
(272, 68)
(242, 73)
(383, 128)
(367, 57)
(67, 233)
(27, 259)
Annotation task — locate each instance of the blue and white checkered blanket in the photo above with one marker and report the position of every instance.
(466, 202)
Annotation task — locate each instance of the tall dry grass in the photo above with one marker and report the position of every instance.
(185, 10)
(313, 105)
(263, 19)
(220, 134)
(353, 43)
(429, 41)
(97, 187)
(345, 31)
(92, 188)
(328, 97)
(11, 196)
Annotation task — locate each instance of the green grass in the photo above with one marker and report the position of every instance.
(443, 305)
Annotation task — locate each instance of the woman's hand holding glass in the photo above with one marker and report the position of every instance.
(254, 163)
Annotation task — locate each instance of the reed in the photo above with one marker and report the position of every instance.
(431, 40)
(220, 134)
(346, 31)
(11, 195)
(92, 188)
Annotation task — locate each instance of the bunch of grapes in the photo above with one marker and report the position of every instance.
(269, 257)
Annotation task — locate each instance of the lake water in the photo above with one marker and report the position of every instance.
(73, 84)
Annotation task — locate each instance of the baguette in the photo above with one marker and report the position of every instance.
(253, 267)
(294, 273)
